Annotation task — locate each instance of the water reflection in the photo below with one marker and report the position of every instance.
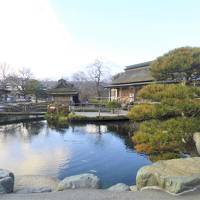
(95, 128)
(28, 148)
(25, 131)
(36, 148)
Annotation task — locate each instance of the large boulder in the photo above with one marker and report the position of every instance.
(35, 184)
(134, 188)
(6, 181)
(120, 187)
(174, 176)
(196, 138)
(89, 181)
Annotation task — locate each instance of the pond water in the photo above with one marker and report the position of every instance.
(102, 149)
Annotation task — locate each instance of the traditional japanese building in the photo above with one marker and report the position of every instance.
(3, 94)
(125, 85)
(64, 93)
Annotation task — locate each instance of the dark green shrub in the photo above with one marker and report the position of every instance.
(112, 105)
(159, 92)
(141, 112)
(172, 101)
(169, 136)
(175, 114)
(180, 64)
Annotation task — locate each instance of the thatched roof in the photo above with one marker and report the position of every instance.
(63, 88)
(138, 65)
(134, 75)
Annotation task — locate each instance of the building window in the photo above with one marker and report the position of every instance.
(131, 97)
(113, 94)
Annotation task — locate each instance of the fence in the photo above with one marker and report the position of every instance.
(25, 107)
(89, 108)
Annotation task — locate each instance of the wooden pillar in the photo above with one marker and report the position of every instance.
(120, 93)
(109, 94)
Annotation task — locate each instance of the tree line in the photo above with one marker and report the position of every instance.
(90, 82)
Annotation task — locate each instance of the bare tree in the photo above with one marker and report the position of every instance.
(25, 74)
(23, 77)
(79, 77)
(97, 72)
(91, 83)
(84, 85)
(4, 73)
(48, 83)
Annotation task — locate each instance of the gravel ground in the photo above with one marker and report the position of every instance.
(102, 195)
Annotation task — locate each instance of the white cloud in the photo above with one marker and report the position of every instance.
(32, 36)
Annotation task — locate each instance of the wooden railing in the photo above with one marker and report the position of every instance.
(25, 107)
(89, 108)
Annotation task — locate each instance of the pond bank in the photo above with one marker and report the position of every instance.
(96, 117)
(82, 118)
(83, 186)
(103, 114)
(60, 119)
(10, 119)
(44, 187)
(176, 177)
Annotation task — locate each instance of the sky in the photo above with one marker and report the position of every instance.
(56, 38)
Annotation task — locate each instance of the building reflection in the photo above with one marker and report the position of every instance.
(95, 128)
(24, 131)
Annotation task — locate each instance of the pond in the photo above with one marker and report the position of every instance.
(102, 149)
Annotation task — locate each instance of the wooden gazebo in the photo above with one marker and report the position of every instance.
(64, 93)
